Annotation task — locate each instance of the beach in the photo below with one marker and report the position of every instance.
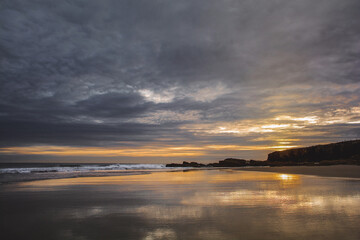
(185, 204)
(180, 120)
(345, 171)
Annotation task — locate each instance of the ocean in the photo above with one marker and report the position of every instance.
(14, 172)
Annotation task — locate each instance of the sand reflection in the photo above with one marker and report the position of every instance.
(166, 178)
(160, 233)
(215, 188)
(155, 178)
(200, 204)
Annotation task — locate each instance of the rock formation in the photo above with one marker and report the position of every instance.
(349, 150)
(330, 154)
(228, 162)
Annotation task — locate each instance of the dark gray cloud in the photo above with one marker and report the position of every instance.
(101, 73)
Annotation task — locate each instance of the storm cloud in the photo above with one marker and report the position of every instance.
(255, 75)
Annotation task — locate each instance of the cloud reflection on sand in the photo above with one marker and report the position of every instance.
(278, 199)
(217, 188)
(163, 178)
(199, 204)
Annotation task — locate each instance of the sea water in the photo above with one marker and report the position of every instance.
(14, 172)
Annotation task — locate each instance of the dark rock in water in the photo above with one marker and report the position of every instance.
(212, 165)
(232, 162)
(258, 163)
(192, 164)
(174, 165)
(186, 164)
(195, 164)
(229, 162)
(348, 152)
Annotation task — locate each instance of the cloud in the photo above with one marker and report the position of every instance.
(102, 73)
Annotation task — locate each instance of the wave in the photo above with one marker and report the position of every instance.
(81, 168)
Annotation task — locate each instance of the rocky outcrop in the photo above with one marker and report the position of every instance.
(232, 162)
(228, 162)
(186, 164)
(321, 155)
(255, 163)
(342, 152)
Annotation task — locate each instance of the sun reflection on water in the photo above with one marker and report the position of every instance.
(285, 177)
(207, 204)
(195, 189)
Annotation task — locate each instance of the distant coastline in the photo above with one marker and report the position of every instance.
(341, 153)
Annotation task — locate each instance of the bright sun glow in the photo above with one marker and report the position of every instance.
(285, 177)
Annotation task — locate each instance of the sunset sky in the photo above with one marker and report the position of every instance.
(166, 81)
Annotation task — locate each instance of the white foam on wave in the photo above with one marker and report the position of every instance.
(83, 168)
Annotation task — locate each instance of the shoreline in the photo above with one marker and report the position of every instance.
(339, 171)
(343, 171)
(223, 203)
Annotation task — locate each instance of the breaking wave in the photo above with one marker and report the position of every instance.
(82, 168)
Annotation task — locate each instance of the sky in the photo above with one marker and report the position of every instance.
(165, 81)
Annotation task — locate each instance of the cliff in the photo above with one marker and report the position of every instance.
(349, 150)
(330, 154)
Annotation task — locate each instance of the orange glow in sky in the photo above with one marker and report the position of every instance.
(155, 151)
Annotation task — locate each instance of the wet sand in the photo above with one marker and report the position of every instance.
(346, 171)
(224, 204)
